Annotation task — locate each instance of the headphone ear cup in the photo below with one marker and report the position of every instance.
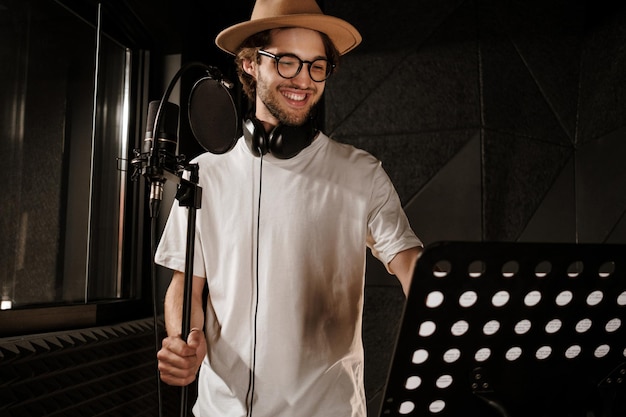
(255, 137)
(287, 141)
(283, 141)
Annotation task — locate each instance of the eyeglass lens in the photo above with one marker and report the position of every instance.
(289, 66)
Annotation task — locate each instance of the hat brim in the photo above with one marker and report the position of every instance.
(344, 36)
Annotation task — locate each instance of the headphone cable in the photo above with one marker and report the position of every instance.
(251, 382)
(153, 224)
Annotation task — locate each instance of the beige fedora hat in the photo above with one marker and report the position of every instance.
(272, 14)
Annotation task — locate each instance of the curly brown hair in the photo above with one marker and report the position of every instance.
(249, 51)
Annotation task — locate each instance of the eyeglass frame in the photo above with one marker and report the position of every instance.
(277, 58)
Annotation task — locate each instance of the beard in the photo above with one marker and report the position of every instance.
(271, 100)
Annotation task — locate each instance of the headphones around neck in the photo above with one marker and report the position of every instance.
(283, 141)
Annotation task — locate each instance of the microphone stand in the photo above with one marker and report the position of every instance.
(189, 195)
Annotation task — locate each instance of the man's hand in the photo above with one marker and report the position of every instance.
(179, 361)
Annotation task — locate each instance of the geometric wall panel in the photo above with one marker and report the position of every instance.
(398, 91)
(397, 154)
(524, 73)
(341, 98)
(513, 101)
(518, 173)
(618, 233)
(555, 218)
(393, 27)
(603, 76)
(455, 191)
(601, 187)
(533, 48)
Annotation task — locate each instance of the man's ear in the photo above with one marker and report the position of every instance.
(249, 67)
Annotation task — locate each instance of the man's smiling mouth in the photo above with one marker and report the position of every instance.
(294, 96)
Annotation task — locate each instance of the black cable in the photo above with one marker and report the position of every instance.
(153, 227)
(496, 405)
(250, 393)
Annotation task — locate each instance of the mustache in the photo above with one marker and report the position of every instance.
(290, 85)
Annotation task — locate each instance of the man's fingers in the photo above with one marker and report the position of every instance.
(195, 337)
(178, 346)
(176, 372)
(176, 380)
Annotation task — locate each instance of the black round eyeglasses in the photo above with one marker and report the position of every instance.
(289, 66)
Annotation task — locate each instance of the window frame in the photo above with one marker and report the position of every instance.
(135, 299)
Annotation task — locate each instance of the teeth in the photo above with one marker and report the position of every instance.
(296, 97)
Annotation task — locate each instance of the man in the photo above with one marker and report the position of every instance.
(281, 238)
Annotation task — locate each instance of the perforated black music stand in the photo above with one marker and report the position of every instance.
(512, 329)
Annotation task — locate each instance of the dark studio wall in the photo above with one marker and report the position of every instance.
(496, 120)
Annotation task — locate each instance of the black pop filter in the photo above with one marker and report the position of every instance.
(213, 116)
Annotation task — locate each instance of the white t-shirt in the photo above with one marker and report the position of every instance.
(292, 316)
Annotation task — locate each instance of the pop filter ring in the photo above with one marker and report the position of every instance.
(209, 101)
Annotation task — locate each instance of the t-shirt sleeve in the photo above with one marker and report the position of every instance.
(172, 249)
(389, 231)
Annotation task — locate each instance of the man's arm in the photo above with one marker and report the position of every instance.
(174, 304)
(179, 360)
(403, 265)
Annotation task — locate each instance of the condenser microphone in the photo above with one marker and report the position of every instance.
(160, 147)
